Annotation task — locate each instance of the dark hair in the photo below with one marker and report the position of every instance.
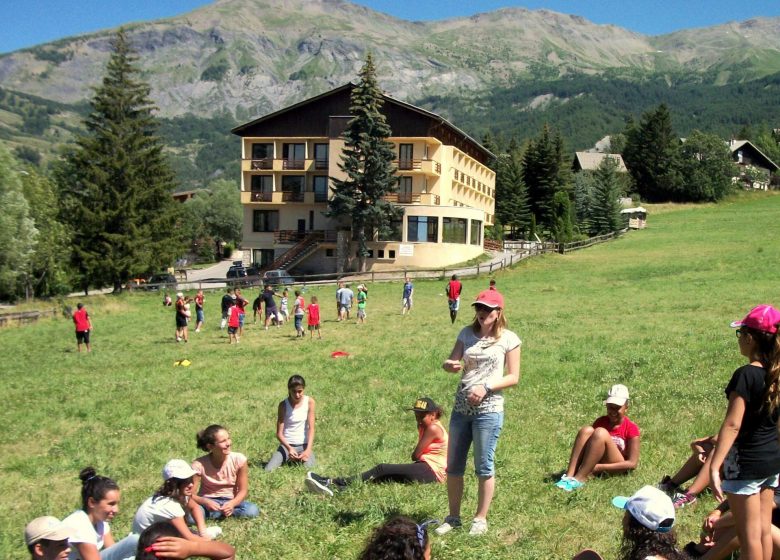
(768, 347)
(207, 437)
(150, 535)
(79, 305)
(397, 539)
(94, 486)
(171, 488)
(639, 542)
(454, 277)
(297, 292)
(296, 381)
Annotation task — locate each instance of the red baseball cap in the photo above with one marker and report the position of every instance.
(490, 298)
(763, 318)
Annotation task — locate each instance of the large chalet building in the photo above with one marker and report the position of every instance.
(445, 188)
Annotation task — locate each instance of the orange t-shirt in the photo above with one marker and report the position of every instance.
(435, 455)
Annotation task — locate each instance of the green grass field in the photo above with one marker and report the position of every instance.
(650, 310)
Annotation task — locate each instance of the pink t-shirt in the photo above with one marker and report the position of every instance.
(218, 483)
(621, 433)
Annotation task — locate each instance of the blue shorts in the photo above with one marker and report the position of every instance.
(454, 304)
(748, 487)
(199, 315)
(241, 319)
(481, 429)
(299, 322)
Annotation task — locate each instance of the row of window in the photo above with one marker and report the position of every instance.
(294, 184)
(296, 152)
(470, 181)
(419, 229)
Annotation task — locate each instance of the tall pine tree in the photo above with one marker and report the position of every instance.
(545, 173)
(116, 184)
(367, 162)
(605, 198)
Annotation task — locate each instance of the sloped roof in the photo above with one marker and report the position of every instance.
(244, 129)
(590, 161)
(735, 145)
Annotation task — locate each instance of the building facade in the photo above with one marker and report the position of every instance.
(445, 188)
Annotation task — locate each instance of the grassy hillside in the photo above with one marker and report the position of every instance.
(650, 310)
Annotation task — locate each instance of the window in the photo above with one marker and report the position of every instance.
(393, 232)
(262, 183)
(265, 220)
(263, 257)
(330, 252)
(294, 156)
(476, 232)
(381, 253)
(391, 254)
(422, 228)
(405, 156)
(292, 188)
(405, 190)
(262, 156)
(320, 156)
(320, 187)
(454, 230)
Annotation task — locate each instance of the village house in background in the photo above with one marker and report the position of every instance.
(445, 188)
(590, 161)
(756, 170)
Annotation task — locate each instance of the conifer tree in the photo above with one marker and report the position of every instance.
(706, 167)
(116, 184)
(545, 173)
(367, 162)
(604, 216)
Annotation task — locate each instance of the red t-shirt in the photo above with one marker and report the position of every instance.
(625, 431)
(199, 301)
(81, 319)
(314, 313)
(453, 289)
(233, 320)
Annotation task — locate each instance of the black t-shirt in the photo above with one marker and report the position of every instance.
(268, 300)
(227, 301)
(756, 451)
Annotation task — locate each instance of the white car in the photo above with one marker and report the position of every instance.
(278, 277)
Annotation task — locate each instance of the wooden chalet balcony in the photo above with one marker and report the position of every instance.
(429, 199)
(279, 197)
(292, 196)
(426, 166)
(268, 164)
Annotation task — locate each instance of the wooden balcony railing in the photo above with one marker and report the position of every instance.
(260, 196)
(402, 198)
(293, 163)
(292, 196)
(265, 163)
(427, 165)
(320, 164)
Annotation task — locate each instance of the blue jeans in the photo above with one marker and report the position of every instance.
(244, 509)
(481, 429)
(125, 548)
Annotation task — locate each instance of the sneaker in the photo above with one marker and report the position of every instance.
(667, 486)
(570, 485)
(478, 527)
(449, 524)
(682, 499)
(318, 484)
(212, 532)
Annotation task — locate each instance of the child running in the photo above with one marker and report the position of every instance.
(314, 317)
(294, 427)
(748, 447)
(299, 310)
(169, 502)
(429, 455)
(222, 477)
(610, 445)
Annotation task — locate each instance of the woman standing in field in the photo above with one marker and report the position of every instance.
(748, 447)
(487, 357)
(222, 477)
(91, 537)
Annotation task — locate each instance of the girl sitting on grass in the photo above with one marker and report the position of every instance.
(294, 427)
(91, 537)
(429, 455)
(222, 477)
(609, 445)
(399, 539)
(748, 447)
(170, 501)
(697, 467)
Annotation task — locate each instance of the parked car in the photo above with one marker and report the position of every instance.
(161, 281)
(278, 277)
(236, 275)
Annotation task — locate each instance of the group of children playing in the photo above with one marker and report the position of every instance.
(741, 464)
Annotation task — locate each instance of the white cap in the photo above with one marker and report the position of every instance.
(179, 294)
(618, 394)
(177, 468)
(46, 528)
(649, 506)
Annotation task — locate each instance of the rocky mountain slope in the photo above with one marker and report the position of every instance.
(249, 57)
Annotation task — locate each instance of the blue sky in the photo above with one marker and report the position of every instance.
(30, 22)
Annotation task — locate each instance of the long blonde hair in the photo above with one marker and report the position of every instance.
(498, 327)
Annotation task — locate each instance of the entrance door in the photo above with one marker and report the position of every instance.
(301, 228)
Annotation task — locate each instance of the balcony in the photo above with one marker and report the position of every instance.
(292, 196)
(293, 164)
(402, 198)
(261, 196)
(426, 166)
(320, 164)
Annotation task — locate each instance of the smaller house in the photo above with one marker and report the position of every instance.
(637, 217)
(590, 161)
(755, 168)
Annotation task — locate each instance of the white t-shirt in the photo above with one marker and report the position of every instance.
(483, 362)
(296, 422)
(154, 510)
(84, 532)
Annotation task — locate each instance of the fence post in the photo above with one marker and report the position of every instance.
(477, 269)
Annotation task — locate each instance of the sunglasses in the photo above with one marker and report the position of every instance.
(485, 308)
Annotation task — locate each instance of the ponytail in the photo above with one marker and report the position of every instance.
(94, 486)
(768, 349)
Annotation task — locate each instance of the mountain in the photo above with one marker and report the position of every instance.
(235, 60)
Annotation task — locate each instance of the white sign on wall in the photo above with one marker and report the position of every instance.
(405, 250)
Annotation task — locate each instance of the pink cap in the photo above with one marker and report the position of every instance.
(762, 318)
(490, 298)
